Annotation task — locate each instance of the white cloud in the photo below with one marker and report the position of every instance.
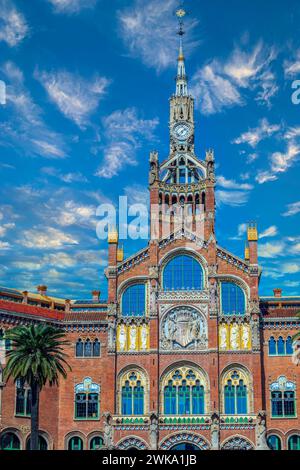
(242, 230)
(295, 249)
(231, 184)
(214, 92)
(148, 30)
(279, 163)
(292, 209)
(25, 129)
(5, 227)
(232, 198)
(137, 194)
(46, 238)
(75, 177)
(292, 67)
(5, 246)
(124, 132)
(219, 85)
(271, 250)
(76, 97)
(72, 6)
(290, 268)
(254, 136)
(269, 232)
(13, 25)
(292, 133)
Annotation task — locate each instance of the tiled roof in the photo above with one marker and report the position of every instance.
(85, 316)
(31, 310)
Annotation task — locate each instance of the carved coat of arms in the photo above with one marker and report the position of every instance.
(183, 328)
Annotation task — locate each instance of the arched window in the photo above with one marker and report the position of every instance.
(23, 399)
(281, 346)
(236, 390)
(232, 299)
(75, 443)
(87, 400)
(96, 443)
(272, 346)
(184, 392)
(87, 348)
(10, 441)
(283, 398)
(274, 442)
(294, 442)
(132, 394)
(289, 346)
(43, 445)
(134, 301)
(183, 273)
(79, 348)
(96, 348)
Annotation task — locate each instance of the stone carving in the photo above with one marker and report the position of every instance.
(237, 443)
(111, 335)
(108, 431)
(254, 307)
(255, 335)
(122, 337)
(153, 301)
(215, 431)
(144, 337)
(183, 328)
(245, 336)
(261, 432)
(234, 337)
(223, 337)
(185, 296)
(112, 310)
(153, 272)
(153, 431)
(133, 338)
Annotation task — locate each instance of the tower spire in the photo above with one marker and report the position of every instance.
(181, 79)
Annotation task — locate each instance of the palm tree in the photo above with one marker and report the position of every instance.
(37, 358)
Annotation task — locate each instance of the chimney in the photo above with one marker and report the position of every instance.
(42, 290)
(277, 293)
(96, 295)
(25, 297)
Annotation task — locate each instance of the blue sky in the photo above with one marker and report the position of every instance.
(88, 84)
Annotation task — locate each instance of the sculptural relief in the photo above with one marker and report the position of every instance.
(183, 328)
(234, 336)
(122, 337)
(133, 338)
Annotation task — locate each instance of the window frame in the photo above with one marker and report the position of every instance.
(237, 285)
(125, 290)
(174, 288)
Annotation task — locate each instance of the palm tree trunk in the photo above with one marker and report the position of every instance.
(35, 398)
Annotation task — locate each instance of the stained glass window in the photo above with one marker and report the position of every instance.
(281, 346)
(183, 273)
(9, 441)
(233, 299)
(184, 394)
(283, 404)
(75, 443)
(289, 345)
(134, 301)
(274, 442)
(86, 406)
(23, 399)
(96, 443)
(272, 346)
(88, 348)
(294, 442)
(132, 398)
(235, 396)
(42, 443)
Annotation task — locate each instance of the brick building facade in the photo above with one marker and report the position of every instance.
(184, 354)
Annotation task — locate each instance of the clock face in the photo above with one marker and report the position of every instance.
(181, 131)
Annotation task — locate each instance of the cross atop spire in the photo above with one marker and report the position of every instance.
(181, 79)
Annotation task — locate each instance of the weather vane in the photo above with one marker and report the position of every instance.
(180, 13)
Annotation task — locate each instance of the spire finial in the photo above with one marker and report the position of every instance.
(181, 80)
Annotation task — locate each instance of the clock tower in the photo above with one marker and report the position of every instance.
(182, 183)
